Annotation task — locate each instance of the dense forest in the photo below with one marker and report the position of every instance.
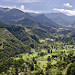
(35, 45)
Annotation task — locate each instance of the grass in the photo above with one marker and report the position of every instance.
(41, 40)
(33, 54)
(42, 60)
(17, 58)
(54, 62)
(42, 63)
(44, 50)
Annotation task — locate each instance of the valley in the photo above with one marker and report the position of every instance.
(35, 45)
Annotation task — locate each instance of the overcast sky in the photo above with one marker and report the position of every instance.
(41, 6)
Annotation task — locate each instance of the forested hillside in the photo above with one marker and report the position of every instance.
(35, 45)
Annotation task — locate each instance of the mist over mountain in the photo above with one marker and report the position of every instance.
(14, 16)
(73, 24)
(61, 18)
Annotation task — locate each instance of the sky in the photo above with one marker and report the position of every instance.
(41, 6)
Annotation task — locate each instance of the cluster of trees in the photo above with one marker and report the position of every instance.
(68, 40)
(19, 66)
(49, 51)
(71, 69)
(15, 66)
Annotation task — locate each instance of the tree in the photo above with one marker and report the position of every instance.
(71, 54)
(42, 53)
(34, 60)
(31, 66)
(5, 64)
(22, 67)
(48, 59)
(49, 65)
(60, 58)
(51, 51)
(59, 73)
(32, 45)
(71, 69)
(17, 64)
(39, 72)
(48, 51)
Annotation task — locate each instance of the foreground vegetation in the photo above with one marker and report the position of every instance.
(26, 51)
(47, 59)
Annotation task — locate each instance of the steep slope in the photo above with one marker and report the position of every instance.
(28, 23)
(20, 33)
(36, 28)
(10, 45)
(44, 32)
(46, 21)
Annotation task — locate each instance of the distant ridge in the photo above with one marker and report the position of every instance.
(10, 16)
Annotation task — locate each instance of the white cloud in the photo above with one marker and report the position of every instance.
(7, 0)
(24, 1)
(67, 5)
(27, 1)
(68, 12)
(11, 0)
(11, 7)
(22, 7)
(31, 11)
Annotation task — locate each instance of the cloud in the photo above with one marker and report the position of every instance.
(32, 11)
(7, 0)
(10, 0)
(11, 7)
(67, 5)
(28, 1)
(22, 7)
(68, 12)
(24, 1)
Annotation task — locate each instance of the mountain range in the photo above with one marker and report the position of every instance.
(13, 16)
(25, 30)
(61, 18)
